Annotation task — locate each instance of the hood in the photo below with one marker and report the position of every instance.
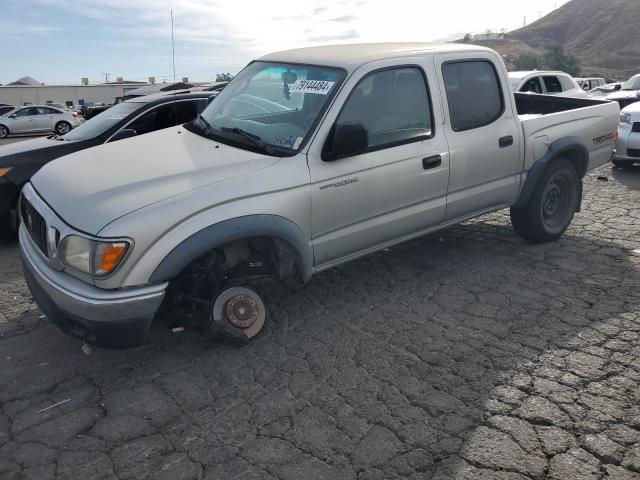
(27, 146)
(94, 187)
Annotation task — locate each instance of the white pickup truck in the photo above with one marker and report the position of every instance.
(307, 159)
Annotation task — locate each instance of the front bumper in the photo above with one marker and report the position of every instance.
(106, 318)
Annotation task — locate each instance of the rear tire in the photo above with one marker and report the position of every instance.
(4, 131)
(552, 205)
(63, 127)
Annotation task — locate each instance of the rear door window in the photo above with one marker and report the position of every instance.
(552, 84)
(474, 94)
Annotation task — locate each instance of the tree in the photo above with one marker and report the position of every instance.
(528, 62)
(467, 38)
(224, 77)
(555, 59)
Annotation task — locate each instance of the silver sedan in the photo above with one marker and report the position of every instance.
(36, 119)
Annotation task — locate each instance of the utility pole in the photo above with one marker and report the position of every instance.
(106, 77)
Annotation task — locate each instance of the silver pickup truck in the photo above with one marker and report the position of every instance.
(309, 158)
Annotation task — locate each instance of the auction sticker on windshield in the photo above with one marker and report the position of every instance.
(321, 87)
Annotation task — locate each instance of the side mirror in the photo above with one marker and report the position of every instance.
(124, 133)
(348, 139)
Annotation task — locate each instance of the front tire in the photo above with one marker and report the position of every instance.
(62, 128)
(4, 131)
(552, 205)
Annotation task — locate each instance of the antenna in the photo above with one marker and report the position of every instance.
(173, 59)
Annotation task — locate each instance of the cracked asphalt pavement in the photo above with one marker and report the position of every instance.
(469, 354)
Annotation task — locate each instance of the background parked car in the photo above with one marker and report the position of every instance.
(19, 161)
(98, 108)
(546, 83)
(605, 90)
(38, 118)
(628, 144)
(590, 83)
(6, 109)
(629, 93)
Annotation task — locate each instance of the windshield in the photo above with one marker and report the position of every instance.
(270, 107)
(102, 122)
(632, 84)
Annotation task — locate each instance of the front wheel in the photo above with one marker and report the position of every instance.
(4, 131)
(238, 314)
(62, 128)
(552, 205)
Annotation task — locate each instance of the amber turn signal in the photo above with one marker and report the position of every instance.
(108, 255)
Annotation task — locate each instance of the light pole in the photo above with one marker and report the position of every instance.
(106, 77)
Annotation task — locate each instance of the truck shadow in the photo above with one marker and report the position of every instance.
(395, 354)
(629, 177)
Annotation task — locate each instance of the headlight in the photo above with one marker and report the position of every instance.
(625, 118)
(92, 257)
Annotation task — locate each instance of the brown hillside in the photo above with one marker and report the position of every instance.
(603, 34)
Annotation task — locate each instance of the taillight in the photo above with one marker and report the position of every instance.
(75, 114)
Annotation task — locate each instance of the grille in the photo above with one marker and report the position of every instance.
(36, 226)
(633, 152)
(636, 127)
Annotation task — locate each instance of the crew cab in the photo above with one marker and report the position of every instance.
(309, 158)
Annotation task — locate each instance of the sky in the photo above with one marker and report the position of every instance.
(60, 42)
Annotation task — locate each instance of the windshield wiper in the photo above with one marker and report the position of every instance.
(254, 140)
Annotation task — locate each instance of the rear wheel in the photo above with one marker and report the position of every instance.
(238, 314)
(63, 127)
(4, 131)
(552, 205)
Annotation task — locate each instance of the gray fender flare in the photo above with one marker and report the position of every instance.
(570, 147)
(234, 229)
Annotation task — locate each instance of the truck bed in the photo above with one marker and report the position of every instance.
(532, 104)
(545, 119)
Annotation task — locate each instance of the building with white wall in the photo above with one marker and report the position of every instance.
(19, 95)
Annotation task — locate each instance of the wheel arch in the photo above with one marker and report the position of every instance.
(218, 234)
(570, 148)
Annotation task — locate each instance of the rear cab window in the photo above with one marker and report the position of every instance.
(463, 81)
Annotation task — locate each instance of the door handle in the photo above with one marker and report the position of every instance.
(506, 141)
(431, 162)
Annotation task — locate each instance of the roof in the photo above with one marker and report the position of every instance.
(351, 56)
(523, 74)
(164, 96)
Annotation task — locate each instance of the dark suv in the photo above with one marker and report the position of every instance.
(20, 160)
